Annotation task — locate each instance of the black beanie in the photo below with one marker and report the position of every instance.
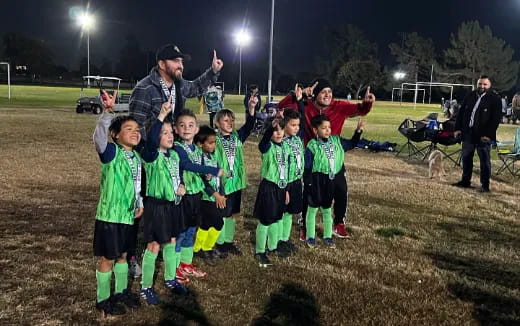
(322, 83)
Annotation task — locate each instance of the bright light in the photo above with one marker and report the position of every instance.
(242, 38)
(86, 21)
(399, 75)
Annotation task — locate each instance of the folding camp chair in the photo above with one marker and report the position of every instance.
(509, 154)
(445, 136)
(415, 132)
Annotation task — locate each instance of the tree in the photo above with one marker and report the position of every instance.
(132, 60)
(356, 75)
(20, 50)
(285, 83)
(414, 56)
(475, 51)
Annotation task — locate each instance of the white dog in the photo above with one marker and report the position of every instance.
(436, 167)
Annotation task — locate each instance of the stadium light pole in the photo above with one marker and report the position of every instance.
(86, 21)
(271, 38)
(242, 38)
(398, 75)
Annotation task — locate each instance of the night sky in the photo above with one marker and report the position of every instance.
(197, 26)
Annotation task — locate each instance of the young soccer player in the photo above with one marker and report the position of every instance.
(324, 159)
(119, 204)
(213, 200)
(272, 193)
(230, 157)
(186, 128)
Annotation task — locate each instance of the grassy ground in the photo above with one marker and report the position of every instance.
(423, 252)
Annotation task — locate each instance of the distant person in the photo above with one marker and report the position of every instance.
(253, 92)
(515, 108)
(477, 121)
(349, 97)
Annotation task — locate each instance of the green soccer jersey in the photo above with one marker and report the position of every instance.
(214, 182)
(296, 157)
(192, 181)
(327, 154)
(117, 199)
(162, 176)
(230, 157)
(275, 164)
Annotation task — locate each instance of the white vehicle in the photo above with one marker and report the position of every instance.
(94, 104)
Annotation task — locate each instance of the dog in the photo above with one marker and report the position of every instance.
(435, 164)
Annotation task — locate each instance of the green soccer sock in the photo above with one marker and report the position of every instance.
(148, 267)
(103, 285)
(200, 239)
(272, 236)
(170, 261)
(261, 238)
(327, 222)
(222, 235)
(178, 259)
(121, 273)
(229, 230)
(287, 226)
(279, 228)
(187, 255)
(213, 235)
(310, 222)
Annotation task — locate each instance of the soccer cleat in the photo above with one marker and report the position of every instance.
(110, 307)
(210, 257)
(134, 270)
(280, 253)
(218, 253)
(340, 231)
(129, 299)
(461, 184)
(484, 189)
(232, 248)
(175, 286)
(303, 234)
(311, 243)
(262, 259)
(181, 277)
(329, 243)
(149, 296)
(189, 269)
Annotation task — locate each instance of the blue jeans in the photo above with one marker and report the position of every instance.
(185, 239)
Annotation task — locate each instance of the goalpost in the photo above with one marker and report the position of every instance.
(8, 78)
(407, 89)
(434, 84)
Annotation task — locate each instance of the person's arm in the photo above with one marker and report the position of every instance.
(349, 144)
(197, 87)
(353, 109)
(288, 102)
(495, 117)
(265, 143)
(150, 151)
(246, 129)
(246, 101)
(141, 109)
(187, 164)
(105, 150)
(460, 115)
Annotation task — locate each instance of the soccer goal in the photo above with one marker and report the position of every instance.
(431, 84)
(8, 78)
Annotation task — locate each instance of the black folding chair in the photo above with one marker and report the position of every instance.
(415, 132)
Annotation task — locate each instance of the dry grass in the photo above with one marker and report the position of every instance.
(452, 257)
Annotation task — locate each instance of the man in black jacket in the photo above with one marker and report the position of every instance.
(253, 91)
(478, 120)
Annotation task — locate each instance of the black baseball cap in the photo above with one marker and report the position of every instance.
(170, 51)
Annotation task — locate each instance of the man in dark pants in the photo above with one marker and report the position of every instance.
(253, 91)
(478, 120)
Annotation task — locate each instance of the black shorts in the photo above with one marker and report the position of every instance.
(320, 192)
(211, 216)
(233, 202)
(295, 190)
(111, 240)
(163, 220)
(191, 207)
(270, 202)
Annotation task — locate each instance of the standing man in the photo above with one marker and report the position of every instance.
(478, 120)
(253, 92)
(320, 101)
(165, 83)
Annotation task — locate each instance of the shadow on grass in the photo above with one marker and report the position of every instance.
(290, 305)
(183, 310)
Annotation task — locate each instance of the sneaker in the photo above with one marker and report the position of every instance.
(262, 259)
(110, 307)
(181, 277)
(127, 298)
(484, 189)
(280, 253)
(311, 243)
(291, 246)
(461, 184)
(232, 248)
(284, 247)
(134, 270)
(175, 286)
(303, 236)
(189, 269)
(209, 257)
(149, 296)
(222, 249)
(340, 231)
(218, 253)
(329, 243)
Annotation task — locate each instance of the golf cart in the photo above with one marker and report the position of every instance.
(94, 104)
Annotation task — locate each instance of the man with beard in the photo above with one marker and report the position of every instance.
(478, 120)
(165, 83)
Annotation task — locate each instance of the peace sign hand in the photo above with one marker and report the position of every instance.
(217, 64)
(109, 101)
(369, 97)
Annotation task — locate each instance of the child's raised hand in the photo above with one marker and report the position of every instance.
(139, 212)
(109, 101)
(361, 124)
(181, 191)
(166, 108)
(253, 101)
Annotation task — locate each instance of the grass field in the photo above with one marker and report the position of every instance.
(423, 252)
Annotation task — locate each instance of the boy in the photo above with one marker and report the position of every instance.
(213, 201)
(324, 158)
(186, 128)
(230, 157)
(272, 193)
(120, 202)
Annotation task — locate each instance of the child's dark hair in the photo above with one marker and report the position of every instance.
(318, 120)
(224, 113)
(117, 123)
(186, 113)
(204, 133)
(290, 115)
(269, 123)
